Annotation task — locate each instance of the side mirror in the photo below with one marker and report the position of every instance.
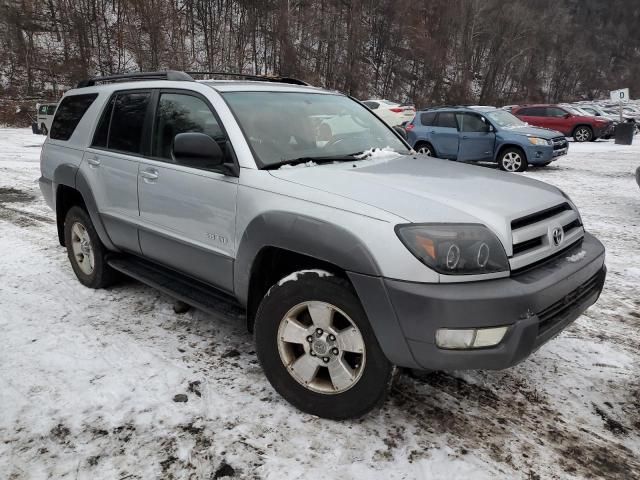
(197, 150)
(566, 115)
(401, 131)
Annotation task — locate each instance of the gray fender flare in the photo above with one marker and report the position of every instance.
(299, 234)
(333, 244)
(71, 176)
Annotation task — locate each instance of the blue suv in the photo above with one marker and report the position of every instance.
(470, 134)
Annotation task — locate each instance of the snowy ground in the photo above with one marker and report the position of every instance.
(87, 378)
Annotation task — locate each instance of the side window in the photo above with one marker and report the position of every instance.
(127, 121)
(51, 109)
(180, 113)
(446, 119)
(42, 110)
(536, 112)
(427, 118)
(473, 123)
(555, 112)
(69, 114)
(372, 105)
(102, 131)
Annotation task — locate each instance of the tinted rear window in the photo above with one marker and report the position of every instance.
(100, 137)
(69, 114)
(427, 118)
(447, 119)
(127, 121)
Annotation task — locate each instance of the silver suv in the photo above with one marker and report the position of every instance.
(351, 254)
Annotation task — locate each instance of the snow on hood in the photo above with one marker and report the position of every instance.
(418, 189)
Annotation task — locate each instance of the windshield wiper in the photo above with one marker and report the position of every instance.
(327, 159)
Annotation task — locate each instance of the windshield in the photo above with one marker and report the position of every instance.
(502, 118)
(284, 127)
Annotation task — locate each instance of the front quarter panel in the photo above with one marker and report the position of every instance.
(353, 236)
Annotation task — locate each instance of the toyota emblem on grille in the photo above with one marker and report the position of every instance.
(558, 236)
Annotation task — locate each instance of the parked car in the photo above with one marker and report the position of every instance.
(350, 256)
(391, 112)
(44, 117)
(484, 134)
(562, 119)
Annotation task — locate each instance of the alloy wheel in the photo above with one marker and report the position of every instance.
(512, 162)
(425, 151)
(582, 135)
(321, 347)
(82, 248)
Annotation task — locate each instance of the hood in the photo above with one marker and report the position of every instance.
(421, 189)
(530, 131)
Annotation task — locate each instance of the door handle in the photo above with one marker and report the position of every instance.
(464, 137)
(149, 175)
(93, 161)
(433, 131)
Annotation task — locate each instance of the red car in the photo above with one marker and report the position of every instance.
(563, 119)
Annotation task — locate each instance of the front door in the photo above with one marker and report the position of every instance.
(477, 138)
(187, 215)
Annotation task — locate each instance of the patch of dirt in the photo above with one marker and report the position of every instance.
(13, 195)
(614, 426)
(497, 422)
(19, 217)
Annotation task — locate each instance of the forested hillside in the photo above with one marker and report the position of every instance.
(423, 51)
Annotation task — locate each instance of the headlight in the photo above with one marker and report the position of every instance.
(455, 249)
(539, 141)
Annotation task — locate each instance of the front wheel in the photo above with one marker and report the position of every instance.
(583, 134)
(317, 348)
(513, 160)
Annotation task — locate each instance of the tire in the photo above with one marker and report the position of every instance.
(286, 335)
(43, 130)
(513, 159)
(582, 133)
(425, 149)
(84, 245)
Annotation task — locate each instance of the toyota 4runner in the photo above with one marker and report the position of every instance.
(351, 254)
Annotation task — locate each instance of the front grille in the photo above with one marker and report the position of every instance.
(555, 313)
(539, 216)
(532, 235)
(559, 143)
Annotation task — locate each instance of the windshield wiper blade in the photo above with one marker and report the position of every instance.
(319, 160)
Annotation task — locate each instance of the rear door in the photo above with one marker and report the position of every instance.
(187, 214)
(557, 120)
(477, 138)
(111, 164)
(536, 116)
(444, 135)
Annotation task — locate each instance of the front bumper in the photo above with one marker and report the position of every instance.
(536, 304)
(542, 154)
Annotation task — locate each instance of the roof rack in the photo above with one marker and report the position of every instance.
(249, 76)
(164, 75)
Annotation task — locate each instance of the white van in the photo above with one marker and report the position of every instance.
(44, 117)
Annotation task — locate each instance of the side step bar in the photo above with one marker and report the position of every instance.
(183, 288)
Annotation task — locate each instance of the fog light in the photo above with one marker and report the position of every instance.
(446, 338)
(469, 338)
(488, 337)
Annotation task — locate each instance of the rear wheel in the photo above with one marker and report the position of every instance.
(583, 134)
(318, 350)
(512, 160)
(425, 149)
(85, 250)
